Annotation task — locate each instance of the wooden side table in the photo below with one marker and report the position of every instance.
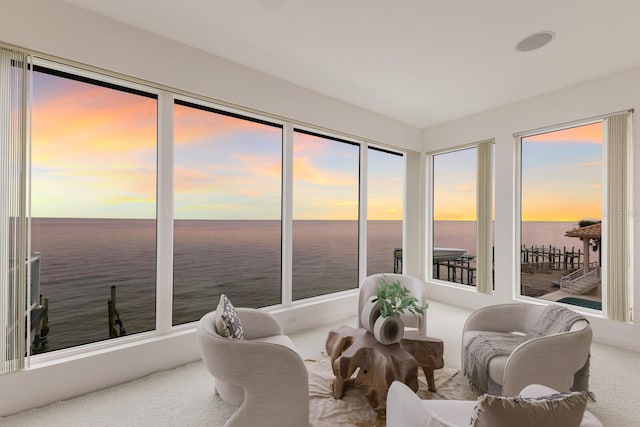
(428, 353)
(379, 364)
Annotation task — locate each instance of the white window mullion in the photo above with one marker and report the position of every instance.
(164, 268)
(287, 215)
(362, 220)
(428, 216)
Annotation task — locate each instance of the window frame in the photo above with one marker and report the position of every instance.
(104, 80)
(211, 107)
(362, 147)
(518, 136)
(364, 195)
(429, 211)
(166, 98)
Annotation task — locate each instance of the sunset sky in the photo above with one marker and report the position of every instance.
(562, 175)
(93, 151)
(94, 156)
(561, 178)
(454, 193)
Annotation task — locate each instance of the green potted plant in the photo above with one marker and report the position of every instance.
(382, 311)
(395, 299)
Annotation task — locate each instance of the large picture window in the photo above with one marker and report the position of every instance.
(385, 206)
(561, 215)
(94, 233)
(93, 206)
(227, 228)
(325, 215)
(462, 226)
(454, 216)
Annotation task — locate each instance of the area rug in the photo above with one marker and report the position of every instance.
(354, 409)
(185, 396)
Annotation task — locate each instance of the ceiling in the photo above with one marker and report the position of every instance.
(422, 62)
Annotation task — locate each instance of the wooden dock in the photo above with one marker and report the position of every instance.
(553, 261)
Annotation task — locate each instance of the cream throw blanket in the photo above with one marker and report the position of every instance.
(484, 347)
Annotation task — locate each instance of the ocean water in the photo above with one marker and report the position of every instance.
(462, 234)
(82, 258)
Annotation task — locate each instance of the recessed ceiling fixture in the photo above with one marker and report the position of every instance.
(535, 41)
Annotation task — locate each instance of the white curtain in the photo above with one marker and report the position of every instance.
(617, 133)
(13, 208)
(484, 208)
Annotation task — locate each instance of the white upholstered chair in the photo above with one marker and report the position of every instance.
(263, 372)
(559, 361)
(406, 409)
(416, 287)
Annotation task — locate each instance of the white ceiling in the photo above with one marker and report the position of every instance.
(422, 62)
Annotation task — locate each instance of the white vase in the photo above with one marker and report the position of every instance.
(422, 327)
(388, 330)
(370, 312)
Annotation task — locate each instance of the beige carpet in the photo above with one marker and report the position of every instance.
(185, 396)
(354, 409)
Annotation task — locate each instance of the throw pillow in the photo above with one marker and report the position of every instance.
(556, 410)
(228, 323)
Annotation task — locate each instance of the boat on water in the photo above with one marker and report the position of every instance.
(447, 254)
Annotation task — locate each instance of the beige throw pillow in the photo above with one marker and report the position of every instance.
(556, 410)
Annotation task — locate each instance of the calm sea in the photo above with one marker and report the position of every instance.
(82, 258)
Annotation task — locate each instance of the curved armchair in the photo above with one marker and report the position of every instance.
(263, 372)
(416, 287)
(559, 361)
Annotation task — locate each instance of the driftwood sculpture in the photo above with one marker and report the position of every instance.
(379, 365)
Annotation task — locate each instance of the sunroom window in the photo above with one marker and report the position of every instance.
(462, 216)
(227, 198)
(561, 215)
(93, 207)
(111, 255)
(385, 210)
(574, 243)
(325, 214)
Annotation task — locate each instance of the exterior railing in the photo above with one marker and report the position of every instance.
(581, 283)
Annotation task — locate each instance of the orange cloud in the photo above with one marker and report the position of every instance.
(583, 134)
(380, 213)
(259, 166)
(597, 163)
(112, 184)
(187, 180)
(466, 187)
(192, 125)
(93, 126)
(305, 171)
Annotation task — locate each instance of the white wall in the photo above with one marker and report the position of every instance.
(55, 28)
(606, 95)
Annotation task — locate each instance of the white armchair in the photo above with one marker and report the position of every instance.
(559, 361)
(416, 287)
(406, 409)
(263, 372)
